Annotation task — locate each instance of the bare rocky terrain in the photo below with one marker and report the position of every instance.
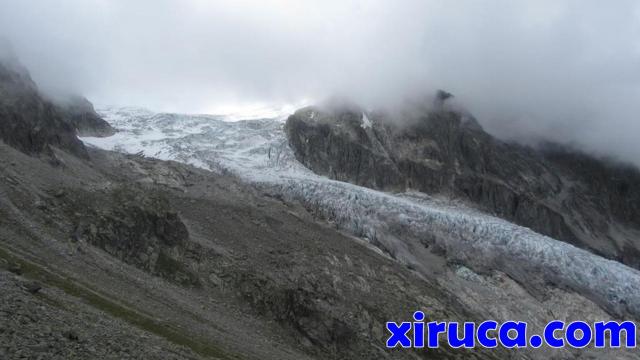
(437, 147)
(110, 255)
(217, 270)
(105, 255)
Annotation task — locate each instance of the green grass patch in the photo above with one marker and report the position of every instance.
(36, 272)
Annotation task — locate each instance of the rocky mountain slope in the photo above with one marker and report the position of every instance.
(33, 124)
(79, 112)
(437, 148)
(249, 255)
(495, 268)
(104, 255)
(27, 121)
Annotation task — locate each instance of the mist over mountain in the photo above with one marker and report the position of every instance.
(565, 71)
(317, 171)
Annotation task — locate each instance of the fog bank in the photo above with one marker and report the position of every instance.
(566, 71)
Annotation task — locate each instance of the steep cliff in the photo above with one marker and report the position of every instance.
(116, 256)
(79, 112)
(28, 121)
(438, 148)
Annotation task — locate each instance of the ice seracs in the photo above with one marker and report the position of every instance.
(406, 227)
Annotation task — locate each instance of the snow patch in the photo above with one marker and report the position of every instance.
(366, 123)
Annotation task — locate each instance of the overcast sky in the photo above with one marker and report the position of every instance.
(563, 70)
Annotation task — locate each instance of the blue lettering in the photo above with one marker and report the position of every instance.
(468, 340)
(398, 334)
(418, 330)
(549, 334)
(614, 329)
(520, 329)
(434, 329)
(573, 340)
(483, 334)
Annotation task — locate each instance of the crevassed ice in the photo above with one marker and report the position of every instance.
(257, 151)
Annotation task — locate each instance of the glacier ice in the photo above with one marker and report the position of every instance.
(408, 227)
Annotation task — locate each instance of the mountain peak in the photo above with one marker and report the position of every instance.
(32, 123)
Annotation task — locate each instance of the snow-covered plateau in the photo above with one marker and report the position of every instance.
(469, 248)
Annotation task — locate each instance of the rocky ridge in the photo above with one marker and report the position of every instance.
(437, 148)
(108, 255)
(28, 121)
(478, 257)
(79, 112)
(192, 263)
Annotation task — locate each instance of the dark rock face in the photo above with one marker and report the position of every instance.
(138, 227)
(79, 112)
(33, 124)
(438, 149)
(28, 122)
(337, 146)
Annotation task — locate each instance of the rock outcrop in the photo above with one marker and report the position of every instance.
(437, 148)
(33, 123)
(139, 227)
(183, 263)
(79, 112)
(28, 121)
(123, 256)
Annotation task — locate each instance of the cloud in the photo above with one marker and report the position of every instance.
(561, 70)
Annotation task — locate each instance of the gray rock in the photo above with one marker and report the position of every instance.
(71, 334)
(79, 112)
(29, 122)
(32, 286)
(41, 205)
(438, 149)
(15, 268)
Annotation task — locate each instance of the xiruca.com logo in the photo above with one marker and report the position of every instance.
(509, 334)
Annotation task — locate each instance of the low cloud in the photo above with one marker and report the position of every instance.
(566, 71)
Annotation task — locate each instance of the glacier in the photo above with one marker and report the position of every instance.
(426, 233)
